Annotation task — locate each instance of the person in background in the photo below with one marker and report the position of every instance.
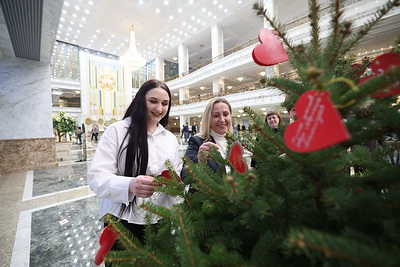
(78, 133)
(130, 154)
(185, 131)
(216, 122)
(95, 132)
(194, 128)
(292, 112)
(273, 119)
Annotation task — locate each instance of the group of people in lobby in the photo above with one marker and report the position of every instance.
(134, 150)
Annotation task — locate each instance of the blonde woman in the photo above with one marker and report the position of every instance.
(215, 123)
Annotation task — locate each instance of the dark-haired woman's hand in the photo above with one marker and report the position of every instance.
(142, 186)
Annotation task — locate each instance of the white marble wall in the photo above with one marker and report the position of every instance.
(25, 99)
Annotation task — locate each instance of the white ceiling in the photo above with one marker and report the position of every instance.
(160, 25)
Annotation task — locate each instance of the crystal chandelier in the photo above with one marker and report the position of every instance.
(132, 59)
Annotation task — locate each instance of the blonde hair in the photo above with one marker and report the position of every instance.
(205, 129)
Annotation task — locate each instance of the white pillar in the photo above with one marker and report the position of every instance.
(183, 59)
(159, 68)
(181, 95)
(186, 92)
(217, 41)
(215, 87)
(182, 121)
(270, 6)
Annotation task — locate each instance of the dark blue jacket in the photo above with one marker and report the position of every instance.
(193, 149)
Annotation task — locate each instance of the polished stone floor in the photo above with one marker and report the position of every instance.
(63, 233)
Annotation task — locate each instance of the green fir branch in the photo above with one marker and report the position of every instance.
(207, 182)
(340, 247)
(314, 23)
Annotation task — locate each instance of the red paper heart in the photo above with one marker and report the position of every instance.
(236, 158)
(270, 51)
(167, 174)
(379, 66)
(107, 240)
(319, 124)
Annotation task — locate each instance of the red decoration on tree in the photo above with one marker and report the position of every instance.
(107, 240)
(236, 158)
(270, 51)
(319, 124)
(167, 174)
(379, 66)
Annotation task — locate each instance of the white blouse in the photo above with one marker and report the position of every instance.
(105, 174)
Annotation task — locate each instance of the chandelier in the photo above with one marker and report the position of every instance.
(132, 59)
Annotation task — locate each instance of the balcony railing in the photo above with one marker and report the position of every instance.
(292, 24)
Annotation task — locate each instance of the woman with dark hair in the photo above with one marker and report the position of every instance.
(215, 123)
(130, 154)
(273, 119)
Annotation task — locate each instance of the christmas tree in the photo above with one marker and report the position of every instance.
(319, 201)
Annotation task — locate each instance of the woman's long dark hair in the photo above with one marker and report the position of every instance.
(137, 148)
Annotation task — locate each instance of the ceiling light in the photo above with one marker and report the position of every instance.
(57, 92)
(240, 79)
(132, 58)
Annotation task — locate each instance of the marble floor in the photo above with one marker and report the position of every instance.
(49, 217)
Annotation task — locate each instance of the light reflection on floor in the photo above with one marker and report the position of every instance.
(65, 233)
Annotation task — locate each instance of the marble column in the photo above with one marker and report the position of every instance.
(183, 59)
(217, 41)
(159, 68)
(270, 5)
(26, 135)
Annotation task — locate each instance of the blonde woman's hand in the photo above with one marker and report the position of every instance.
(205, 149)
(142, 186)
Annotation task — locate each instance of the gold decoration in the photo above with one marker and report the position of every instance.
(107, 82)
(88, 121)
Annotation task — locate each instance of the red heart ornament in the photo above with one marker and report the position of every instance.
(319, 124)
(107, 240)
(379, 66)
(270, 51)
(167, 174)
(236, 158)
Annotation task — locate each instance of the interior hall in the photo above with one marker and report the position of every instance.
(87, 59)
